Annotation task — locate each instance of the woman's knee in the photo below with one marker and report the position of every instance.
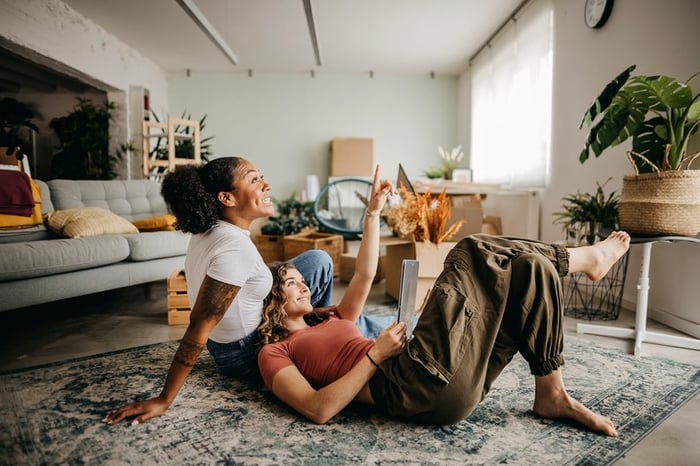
(534, 263)
(313, 259)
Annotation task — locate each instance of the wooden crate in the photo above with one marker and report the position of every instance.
(271, 247)
(178, 304)
(332, 244)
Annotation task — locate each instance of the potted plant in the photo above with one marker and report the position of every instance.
(15, 117)
(660, 114)
(588, 216)
(84, 137)
(449, 161)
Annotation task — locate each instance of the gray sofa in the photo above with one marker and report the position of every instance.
(39, 266)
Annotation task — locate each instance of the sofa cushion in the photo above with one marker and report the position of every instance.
(131, 199)
(88, 221)
(48, 257)
(151, 245)
(34, 233)
(162, 222)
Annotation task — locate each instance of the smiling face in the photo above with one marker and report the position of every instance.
(250, 197)
(297, 294)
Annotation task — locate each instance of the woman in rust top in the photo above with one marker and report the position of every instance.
(495, 297)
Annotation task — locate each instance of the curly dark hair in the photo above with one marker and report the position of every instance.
(191, 192)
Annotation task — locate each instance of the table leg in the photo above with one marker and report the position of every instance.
(642, 299)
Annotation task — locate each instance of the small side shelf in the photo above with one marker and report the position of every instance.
(159, 138)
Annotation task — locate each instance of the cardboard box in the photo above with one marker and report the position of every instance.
(351, 157)
(492, 225)
(469, 209)
(431, 257)
(347, 268)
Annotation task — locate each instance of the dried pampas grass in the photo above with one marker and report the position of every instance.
(422, 217)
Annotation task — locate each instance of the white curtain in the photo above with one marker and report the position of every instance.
(512, 101)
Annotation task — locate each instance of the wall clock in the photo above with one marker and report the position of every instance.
(597, 12)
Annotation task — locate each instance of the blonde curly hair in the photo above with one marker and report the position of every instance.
(272, 328)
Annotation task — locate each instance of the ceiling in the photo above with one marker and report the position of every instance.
(276, 36)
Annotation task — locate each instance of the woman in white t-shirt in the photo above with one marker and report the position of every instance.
(227, 278)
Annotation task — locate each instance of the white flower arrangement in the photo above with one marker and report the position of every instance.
(450, 161)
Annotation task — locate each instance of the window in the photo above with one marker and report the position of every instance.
(512, 102)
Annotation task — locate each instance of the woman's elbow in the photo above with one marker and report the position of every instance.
(320, 417)
(365, 275)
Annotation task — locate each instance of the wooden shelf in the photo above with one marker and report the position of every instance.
(165, 135)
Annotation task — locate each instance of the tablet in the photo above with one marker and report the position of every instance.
(407, 295)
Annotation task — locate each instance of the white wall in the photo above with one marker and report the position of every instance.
(283, 123)
(54, 30)
(660, 38)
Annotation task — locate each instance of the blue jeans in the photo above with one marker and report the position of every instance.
(239, 358)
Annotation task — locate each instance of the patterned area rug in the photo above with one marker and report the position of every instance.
(52, 414)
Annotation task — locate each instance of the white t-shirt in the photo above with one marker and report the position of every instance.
(227, 254)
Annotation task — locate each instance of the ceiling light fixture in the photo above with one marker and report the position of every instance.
(312, 30)
(207, 28)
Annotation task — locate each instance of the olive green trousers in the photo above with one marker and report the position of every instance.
(495, 296)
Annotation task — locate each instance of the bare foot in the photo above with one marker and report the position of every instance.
(596, 260)
(553, 402)
(569, 408)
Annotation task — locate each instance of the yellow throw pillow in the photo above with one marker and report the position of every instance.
(88, 221)
(163, 222)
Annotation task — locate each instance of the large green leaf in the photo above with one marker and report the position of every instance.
(620, 121)
(649, 142)
(694, 112)
(601, 103)
(659, 93)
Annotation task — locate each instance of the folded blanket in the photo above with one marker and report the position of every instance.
(15, 193)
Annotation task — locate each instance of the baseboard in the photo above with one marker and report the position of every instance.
(667, 318)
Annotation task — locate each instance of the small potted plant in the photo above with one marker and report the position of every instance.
(292, 216)
(588, 216)
(15, 117)
(659, 114)
(450, 161)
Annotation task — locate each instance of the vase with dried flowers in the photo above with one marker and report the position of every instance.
(421, 217)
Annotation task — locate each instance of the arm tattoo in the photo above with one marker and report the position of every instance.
(214, 298)
(188, 352)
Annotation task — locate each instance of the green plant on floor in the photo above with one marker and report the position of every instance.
(659, 113)
(581, 211)
(84, 136)
(184, 148)
(292, 216)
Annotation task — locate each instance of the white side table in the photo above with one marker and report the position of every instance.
(640, 333)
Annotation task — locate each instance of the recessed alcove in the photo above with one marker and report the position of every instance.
(52, 89)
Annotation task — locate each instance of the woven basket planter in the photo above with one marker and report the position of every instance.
(662, 203)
